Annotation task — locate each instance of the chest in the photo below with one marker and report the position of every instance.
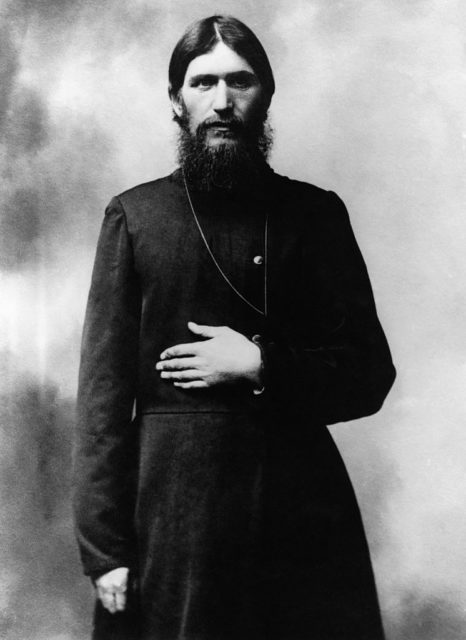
(217, 252)
(227, 262)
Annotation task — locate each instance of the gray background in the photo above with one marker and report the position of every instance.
(370, 102)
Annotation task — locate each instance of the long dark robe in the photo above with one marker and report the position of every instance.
(233, 511)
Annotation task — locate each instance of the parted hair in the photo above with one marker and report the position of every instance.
(202, 36)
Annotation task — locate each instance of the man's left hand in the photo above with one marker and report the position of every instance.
(226, 356)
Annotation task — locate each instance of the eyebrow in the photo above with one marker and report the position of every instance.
(235, 75)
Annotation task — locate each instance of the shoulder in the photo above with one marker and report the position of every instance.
(291, 186)
(311, 201)
(145, 203)
(147, 192)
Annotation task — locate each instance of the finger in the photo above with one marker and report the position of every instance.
(120, 601)
(108, 600)
(188, 349)
(195, 384)
(182, 376)
(177, 364)
(205, 330)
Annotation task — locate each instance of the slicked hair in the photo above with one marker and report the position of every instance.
(203, 35)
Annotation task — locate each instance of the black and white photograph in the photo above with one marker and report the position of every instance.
(232, 320)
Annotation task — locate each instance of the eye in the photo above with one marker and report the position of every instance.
(203, 82)
(243, 80)
(241, 84)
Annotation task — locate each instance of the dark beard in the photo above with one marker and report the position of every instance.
(231, 165)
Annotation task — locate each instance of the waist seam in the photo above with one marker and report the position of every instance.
(191, 412)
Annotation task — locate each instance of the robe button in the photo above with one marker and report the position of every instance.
(258, 260)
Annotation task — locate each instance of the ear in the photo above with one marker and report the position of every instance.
(176, 102)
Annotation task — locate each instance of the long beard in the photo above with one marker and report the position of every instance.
(238, 163)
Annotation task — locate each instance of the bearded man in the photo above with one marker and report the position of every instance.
(230, 319)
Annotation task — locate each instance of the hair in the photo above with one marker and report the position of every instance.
(202, 36)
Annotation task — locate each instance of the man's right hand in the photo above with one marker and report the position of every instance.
(112, 588)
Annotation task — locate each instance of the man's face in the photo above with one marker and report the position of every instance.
(219, 88)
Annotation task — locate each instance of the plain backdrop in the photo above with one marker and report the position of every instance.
(370, 102)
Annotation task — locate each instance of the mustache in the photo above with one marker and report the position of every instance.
(235, 125)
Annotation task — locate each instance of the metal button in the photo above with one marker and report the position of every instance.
(256, 338)
(258, 259)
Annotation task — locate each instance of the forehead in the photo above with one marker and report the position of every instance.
(221, 60)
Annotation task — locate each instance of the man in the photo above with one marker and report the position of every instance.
(233, 307)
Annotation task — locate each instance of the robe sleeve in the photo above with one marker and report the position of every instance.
(105, 443)
(349, 372)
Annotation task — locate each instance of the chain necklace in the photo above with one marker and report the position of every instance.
(219, 268)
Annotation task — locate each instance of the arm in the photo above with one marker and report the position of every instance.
(104, 456)
(347, 371)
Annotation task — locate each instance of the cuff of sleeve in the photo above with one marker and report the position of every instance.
(257, 341)
(294, 378)
(95, 575)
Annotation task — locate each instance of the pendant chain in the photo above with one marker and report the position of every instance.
(219, 268)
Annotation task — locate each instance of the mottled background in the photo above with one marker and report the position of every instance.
(370, 102)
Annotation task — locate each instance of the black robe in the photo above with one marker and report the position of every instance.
(233, 511)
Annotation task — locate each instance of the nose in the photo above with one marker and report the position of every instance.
(222, 98)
